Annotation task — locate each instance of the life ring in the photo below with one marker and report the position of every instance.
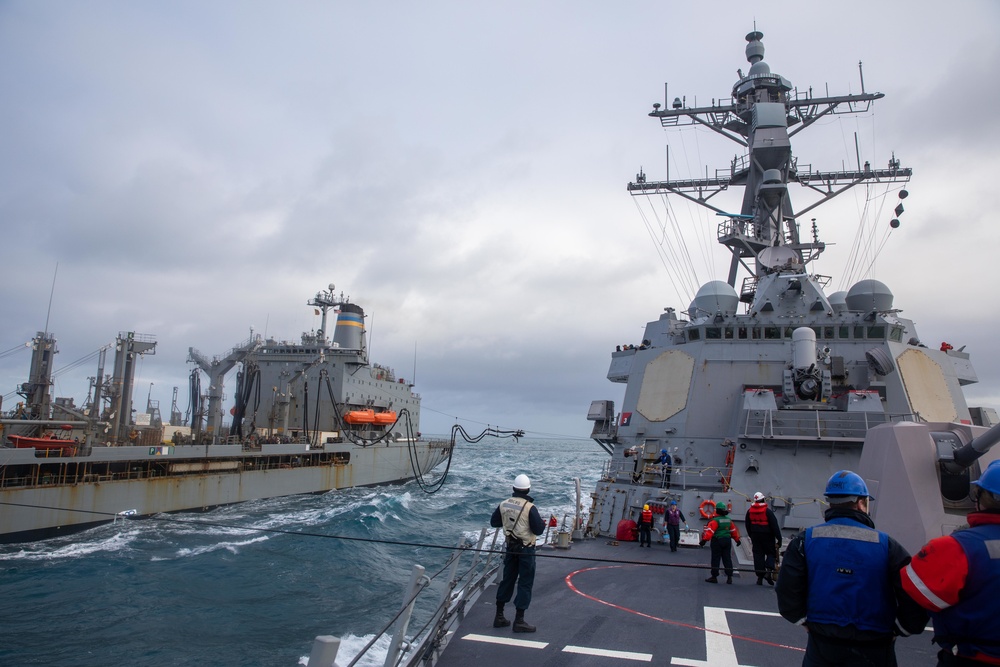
(705, 513)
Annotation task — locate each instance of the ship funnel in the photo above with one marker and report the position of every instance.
(350, 330)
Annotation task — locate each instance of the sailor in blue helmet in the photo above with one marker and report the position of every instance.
(957, 579)
(665, 467)
(841, 579)
(521, 522)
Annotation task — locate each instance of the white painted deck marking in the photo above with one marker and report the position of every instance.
(604, 653)
(719, 648)
(523, 643)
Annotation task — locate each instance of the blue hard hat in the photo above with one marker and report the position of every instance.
(673, 502)
(990, 479)
(847, 483)
(663, 451)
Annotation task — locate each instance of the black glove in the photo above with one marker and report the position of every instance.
(701, 543)
(738, 543)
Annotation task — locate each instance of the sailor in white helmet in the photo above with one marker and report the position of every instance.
(521, 522)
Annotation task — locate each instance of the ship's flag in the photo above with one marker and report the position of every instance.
(553, 522)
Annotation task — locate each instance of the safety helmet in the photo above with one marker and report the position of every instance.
(673, 502)
(847, 483)
(757, 497)
(522, 483)
(645, 507)
(990, 479)
(721, 507)
(663, 451)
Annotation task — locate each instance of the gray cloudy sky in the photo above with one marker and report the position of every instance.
(200, 169)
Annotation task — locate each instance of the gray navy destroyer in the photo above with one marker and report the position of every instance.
(765, 383)
(308, 416)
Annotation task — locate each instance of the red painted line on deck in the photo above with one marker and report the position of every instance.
(569, 582)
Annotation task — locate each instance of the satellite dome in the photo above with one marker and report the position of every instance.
(714, 297)
(838, 300)
(759, 67)
(869, 295)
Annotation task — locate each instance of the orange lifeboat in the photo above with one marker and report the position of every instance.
(48, 442)
(385, 418)
(360, 417)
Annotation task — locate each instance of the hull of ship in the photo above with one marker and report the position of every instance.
(41, 511)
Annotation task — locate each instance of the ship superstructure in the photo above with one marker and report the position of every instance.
(767, 383)
(319, 385)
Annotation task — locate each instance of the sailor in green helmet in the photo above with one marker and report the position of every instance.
(721, 532)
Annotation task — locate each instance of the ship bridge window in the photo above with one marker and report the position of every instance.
(844, 331)
(741, 333)
(772, 333)
(828, 333)
(713, 333)
(859, 333)
(788, 332)
(876, 333)
(755, 333)
(896, 334)
(694, 334)
(727, 333)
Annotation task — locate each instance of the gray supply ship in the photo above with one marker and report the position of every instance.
(767, 384)
(308, 417)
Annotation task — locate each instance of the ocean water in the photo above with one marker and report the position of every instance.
(222, 588)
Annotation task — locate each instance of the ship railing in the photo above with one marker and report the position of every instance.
(815, 424)
(653, 474)
(462, 587)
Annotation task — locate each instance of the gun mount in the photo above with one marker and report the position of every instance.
(920, 475)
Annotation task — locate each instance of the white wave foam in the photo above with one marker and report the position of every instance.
(39, 551)
(351, 645)
(233, 547)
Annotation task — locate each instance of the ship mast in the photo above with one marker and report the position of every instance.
(759, 116)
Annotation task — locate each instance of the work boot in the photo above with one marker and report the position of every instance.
(520, 625)
(760, 581)
(769, 580)
(729, 579)
(712, 580)
(499, 621)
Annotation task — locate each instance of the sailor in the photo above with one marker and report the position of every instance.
(645, 526)
(841, 579)
(721, 531)
(521, 523)
(672, 519)
(957, 579)
(665, 462)
(765, 536)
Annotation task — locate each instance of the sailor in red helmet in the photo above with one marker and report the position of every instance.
(957, 579)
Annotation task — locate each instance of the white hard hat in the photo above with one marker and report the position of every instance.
(757, 497)
(522, 483)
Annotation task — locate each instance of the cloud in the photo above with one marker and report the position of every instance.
(200, 170)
